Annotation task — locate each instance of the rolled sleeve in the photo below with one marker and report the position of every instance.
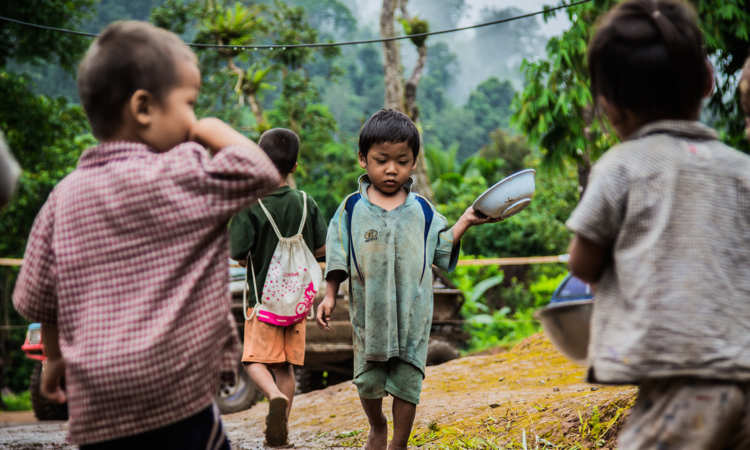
(35, 294)
(446, 254)
(337, 243)
(599, 214)
(232, 179)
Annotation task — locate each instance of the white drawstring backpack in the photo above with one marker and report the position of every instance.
(293, 278)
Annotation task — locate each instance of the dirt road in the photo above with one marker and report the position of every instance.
(530, 392)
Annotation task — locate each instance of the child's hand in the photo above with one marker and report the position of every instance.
(52, 372)
(325, 309)
(214, 134)
(473, 217)
(469, 218)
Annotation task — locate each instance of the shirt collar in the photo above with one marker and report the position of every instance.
(364, 183)
(280, 191)
(684, 128)
(113, 151)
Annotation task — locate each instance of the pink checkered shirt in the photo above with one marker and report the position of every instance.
(129, 257)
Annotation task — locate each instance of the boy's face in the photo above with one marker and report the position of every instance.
(389, 166)
(173, 117)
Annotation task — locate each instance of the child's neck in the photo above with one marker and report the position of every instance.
(388, 202)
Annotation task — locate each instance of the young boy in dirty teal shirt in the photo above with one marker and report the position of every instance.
(385, 238)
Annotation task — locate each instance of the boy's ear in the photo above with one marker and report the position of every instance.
(140, 107)
(294, 169)
(362, 161)
(710, 81)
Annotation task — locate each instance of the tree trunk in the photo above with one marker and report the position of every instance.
(256, 109)
(422, 179)
(394, 89)
(398, 96)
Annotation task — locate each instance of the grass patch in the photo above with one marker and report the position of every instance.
(18, 402)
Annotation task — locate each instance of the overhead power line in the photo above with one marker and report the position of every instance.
(317, 44)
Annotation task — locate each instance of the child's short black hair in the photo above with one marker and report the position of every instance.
(127, 56)
(391, 126)
(647, 56)
(282, 147)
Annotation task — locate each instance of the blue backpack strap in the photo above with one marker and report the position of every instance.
(349, 208)
(428, 216)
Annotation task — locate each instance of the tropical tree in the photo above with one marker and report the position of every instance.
(401, 94)
(557, 112)
(45, 134)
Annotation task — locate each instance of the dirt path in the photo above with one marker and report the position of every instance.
(484, 401)
(472, 402)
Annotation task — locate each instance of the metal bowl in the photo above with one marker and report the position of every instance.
(508, 196)
(567, 325)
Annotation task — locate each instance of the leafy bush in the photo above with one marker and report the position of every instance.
(505, 326)
(18, 402)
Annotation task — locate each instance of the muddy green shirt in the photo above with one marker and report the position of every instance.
(391, 282)
(250, 230)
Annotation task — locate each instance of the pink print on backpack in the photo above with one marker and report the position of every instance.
(293, 279)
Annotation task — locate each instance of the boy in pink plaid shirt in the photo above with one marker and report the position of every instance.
(126, 264)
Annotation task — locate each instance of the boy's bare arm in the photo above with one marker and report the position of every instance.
(468, 219)
(587, 259)
(320, 253)
(325, 308)
(214, 134)
(53, 368)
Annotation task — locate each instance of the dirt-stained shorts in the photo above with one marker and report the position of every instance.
(270, 344)
(683, 413)
(395, 377)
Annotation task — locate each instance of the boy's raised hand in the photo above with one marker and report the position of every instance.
(469, 218)
(214, 134)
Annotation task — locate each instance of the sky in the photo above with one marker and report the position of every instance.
(368, 11)
(474, 65)
(552, 28)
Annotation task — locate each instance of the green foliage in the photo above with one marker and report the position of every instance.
(18, 402)
(556, 110)
(46, 135)
(483, 287)
(469, 127)
(415, 25)
(594, 429)
(24, 45)
(538, 230)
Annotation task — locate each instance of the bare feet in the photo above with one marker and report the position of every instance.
(378, 437)
(276, 425)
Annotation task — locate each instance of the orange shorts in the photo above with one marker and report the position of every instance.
(269, 344)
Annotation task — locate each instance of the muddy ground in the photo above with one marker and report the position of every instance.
(528, 394)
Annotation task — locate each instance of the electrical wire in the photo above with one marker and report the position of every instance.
(317, 44)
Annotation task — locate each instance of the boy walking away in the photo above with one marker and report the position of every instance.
(385, 238)
(126, 265)
(271, 350)
(663, 229)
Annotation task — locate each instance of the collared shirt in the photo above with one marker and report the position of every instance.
(673, 204)
(391, 303)
(129, 257)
